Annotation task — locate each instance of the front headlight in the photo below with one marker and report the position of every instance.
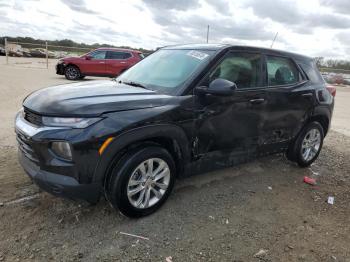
(73, 122)
(20, 113)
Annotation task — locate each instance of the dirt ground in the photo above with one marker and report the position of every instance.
(227, 215)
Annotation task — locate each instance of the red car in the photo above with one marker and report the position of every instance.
(99, 62)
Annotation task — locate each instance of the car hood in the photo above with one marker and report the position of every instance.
(70, 58)
(92, 98)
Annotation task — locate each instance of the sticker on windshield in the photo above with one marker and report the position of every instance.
(197, 54)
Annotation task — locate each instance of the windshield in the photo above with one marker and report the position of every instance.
(165, 70)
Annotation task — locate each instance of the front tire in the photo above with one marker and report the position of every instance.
(141, 181)
(307, 146)
(72, 72)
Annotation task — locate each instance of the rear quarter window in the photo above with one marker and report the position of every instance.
(312, 73)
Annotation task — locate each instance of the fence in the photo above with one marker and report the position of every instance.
(38, 55)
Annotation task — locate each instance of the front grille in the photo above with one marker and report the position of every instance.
(33, 118)
(25, 147)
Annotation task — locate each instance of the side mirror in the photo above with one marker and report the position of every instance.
(88, 57)
(218, 87)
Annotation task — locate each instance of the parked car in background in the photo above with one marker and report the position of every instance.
(100, 62)
(337, 78)
(26, 52)
(15, 53)
(38, 52)
(182, 110)
(2, 51)
(41, 53)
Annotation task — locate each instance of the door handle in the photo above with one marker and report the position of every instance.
(257, 101)
(101, 62)
(123, 62)
(200, 111)
(307, 95)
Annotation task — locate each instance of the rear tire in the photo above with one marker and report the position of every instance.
(307, 146)
(141, 181)
(72, 72)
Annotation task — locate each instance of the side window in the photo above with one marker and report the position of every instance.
(114, 55)
(281, 71)
(127, 55)
(98, 55)
(118, 55)
(241, 68)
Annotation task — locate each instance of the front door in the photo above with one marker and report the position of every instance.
(231, 125)
(96, 64)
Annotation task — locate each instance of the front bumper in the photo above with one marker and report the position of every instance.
(59, 185)
(60, 69)
(43, 171)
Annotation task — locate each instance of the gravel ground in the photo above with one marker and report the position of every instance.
(259, 211)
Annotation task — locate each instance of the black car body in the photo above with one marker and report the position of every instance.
(202, 124)
(2, 51)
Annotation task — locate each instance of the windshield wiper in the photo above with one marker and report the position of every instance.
(131, 83)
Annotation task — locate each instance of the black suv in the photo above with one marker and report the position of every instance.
(182, 110)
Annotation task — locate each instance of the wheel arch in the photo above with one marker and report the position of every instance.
(72, 64)
(323, 120)
(171, 137)
(323, 115)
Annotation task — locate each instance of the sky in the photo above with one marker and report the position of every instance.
(310, 27)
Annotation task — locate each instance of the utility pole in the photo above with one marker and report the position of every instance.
(208, 34)
(47, 55)
(274, 39)
(6, 52)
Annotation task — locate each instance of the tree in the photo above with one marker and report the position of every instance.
(64, 43)
(319, 61)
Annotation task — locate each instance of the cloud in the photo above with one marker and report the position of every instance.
(47, 13)
(78, 6)
(344, 37)
(182, 5)
(340, 6)
(280, 11)
(4, 5)
(97, 33)
(289, 13)
(328, 20)
(192, 26)
(310, 27)
(18, 6)
(225, 27)
(5, 19)
(105, 19)
(221, 6)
